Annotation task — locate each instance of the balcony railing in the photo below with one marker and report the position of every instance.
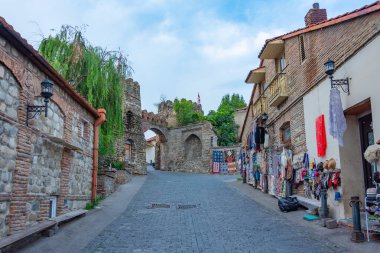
(259, 107)
(278, 90)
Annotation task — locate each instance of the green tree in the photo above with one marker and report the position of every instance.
(186, 112)
(231, 103)
(96, 73)
(223, 119)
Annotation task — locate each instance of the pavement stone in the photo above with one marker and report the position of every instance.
(223, 221)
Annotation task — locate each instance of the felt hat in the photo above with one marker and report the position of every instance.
(326, 164)
(332, 164)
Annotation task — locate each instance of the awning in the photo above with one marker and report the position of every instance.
(256, 75)
(272, 50)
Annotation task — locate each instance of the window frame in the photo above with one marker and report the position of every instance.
(283, 129)
(302, 50)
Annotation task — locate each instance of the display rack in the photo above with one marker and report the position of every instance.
(373, 225)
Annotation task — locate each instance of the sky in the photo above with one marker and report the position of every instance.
(177, 48)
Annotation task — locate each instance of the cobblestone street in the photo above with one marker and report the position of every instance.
(223, 220)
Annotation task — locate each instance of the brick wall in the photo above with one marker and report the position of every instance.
(337, 42)
(32, 166)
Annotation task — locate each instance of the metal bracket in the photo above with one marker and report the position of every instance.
(342, 83)
(37, 110)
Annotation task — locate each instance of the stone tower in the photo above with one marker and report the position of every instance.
(131, 148)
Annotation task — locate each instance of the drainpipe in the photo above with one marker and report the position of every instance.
(98, 122)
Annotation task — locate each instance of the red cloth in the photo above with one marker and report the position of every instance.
(321, 135)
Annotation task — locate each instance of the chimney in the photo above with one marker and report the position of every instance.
(315, 15)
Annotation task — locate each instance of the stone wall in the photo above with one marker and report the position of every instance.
(8, 135)
(46, 167)
(80, 172)
(9, 102)
(188, 148)
(53, 124)
(9, 92)
(36, 160)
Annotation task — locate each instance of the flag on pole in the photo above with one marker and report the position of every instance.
(199, 99)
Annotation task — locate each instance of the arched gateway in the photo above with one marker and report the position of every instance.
(186, 148)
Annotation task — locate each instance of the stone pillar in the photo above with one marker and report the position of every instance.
(157, 161)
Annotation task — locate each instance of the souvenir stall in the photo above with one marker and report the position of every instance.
(225, 160)
(372, 198)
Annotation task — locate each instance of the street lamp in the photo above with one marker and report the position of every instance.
(329, 70)
(46, 93)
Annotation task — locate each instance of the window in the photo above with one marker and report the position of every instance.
(285, 133)
(302, 48)
(83, 129)
(53, 207)
(129, 124)
(281, 64)
(212, 141)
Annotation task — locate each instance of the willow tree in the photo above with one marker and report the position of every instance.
(97, 74)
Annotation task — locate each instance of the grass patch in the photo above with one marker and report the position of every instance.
(118, 165)
(91, 205)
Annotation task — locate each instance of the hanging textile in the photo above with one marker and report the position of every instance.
(338, 123)
(260, 136)
(321, 135)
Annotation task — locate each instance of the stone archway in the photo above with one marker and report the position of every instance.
(160, 148)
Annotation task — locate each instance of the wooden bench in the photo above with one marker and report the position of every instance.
(50, 226)
(68, 216)
(9, 240)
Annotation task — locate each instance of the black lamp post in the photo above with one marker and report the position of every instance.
(342, 83)
(46, 93)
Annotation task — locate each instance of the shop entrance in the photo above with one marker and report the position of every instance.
(366, 139)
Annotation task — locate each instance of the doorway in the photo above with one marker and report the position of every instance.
(366, 139)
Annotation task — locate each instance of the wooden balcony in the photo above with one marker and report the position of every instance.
(259, 107)
(278, 90)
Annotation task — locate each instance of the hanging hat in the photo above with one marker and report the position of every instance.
(332, 164)
(326, 164)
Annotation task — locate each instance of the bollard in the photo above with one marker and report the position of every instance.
(357, 234)
(289, 191)
(244, 176)
(324, 212)
(265, 178)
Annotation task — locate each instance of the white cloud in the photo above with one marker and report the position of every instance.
(177, 47)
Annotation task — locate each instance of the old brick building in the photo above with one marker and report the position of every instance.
(292, 67)
(48, 167)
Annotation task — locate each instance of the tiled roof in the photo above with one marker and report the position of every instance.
(33, 55)
(332, 21)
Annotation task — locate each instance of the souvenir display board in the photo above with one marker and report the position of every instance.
(225, 160)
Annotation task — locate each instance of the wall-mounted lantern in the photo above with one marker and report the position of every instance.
(46, 93)
(342, 83)
(264, 118)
